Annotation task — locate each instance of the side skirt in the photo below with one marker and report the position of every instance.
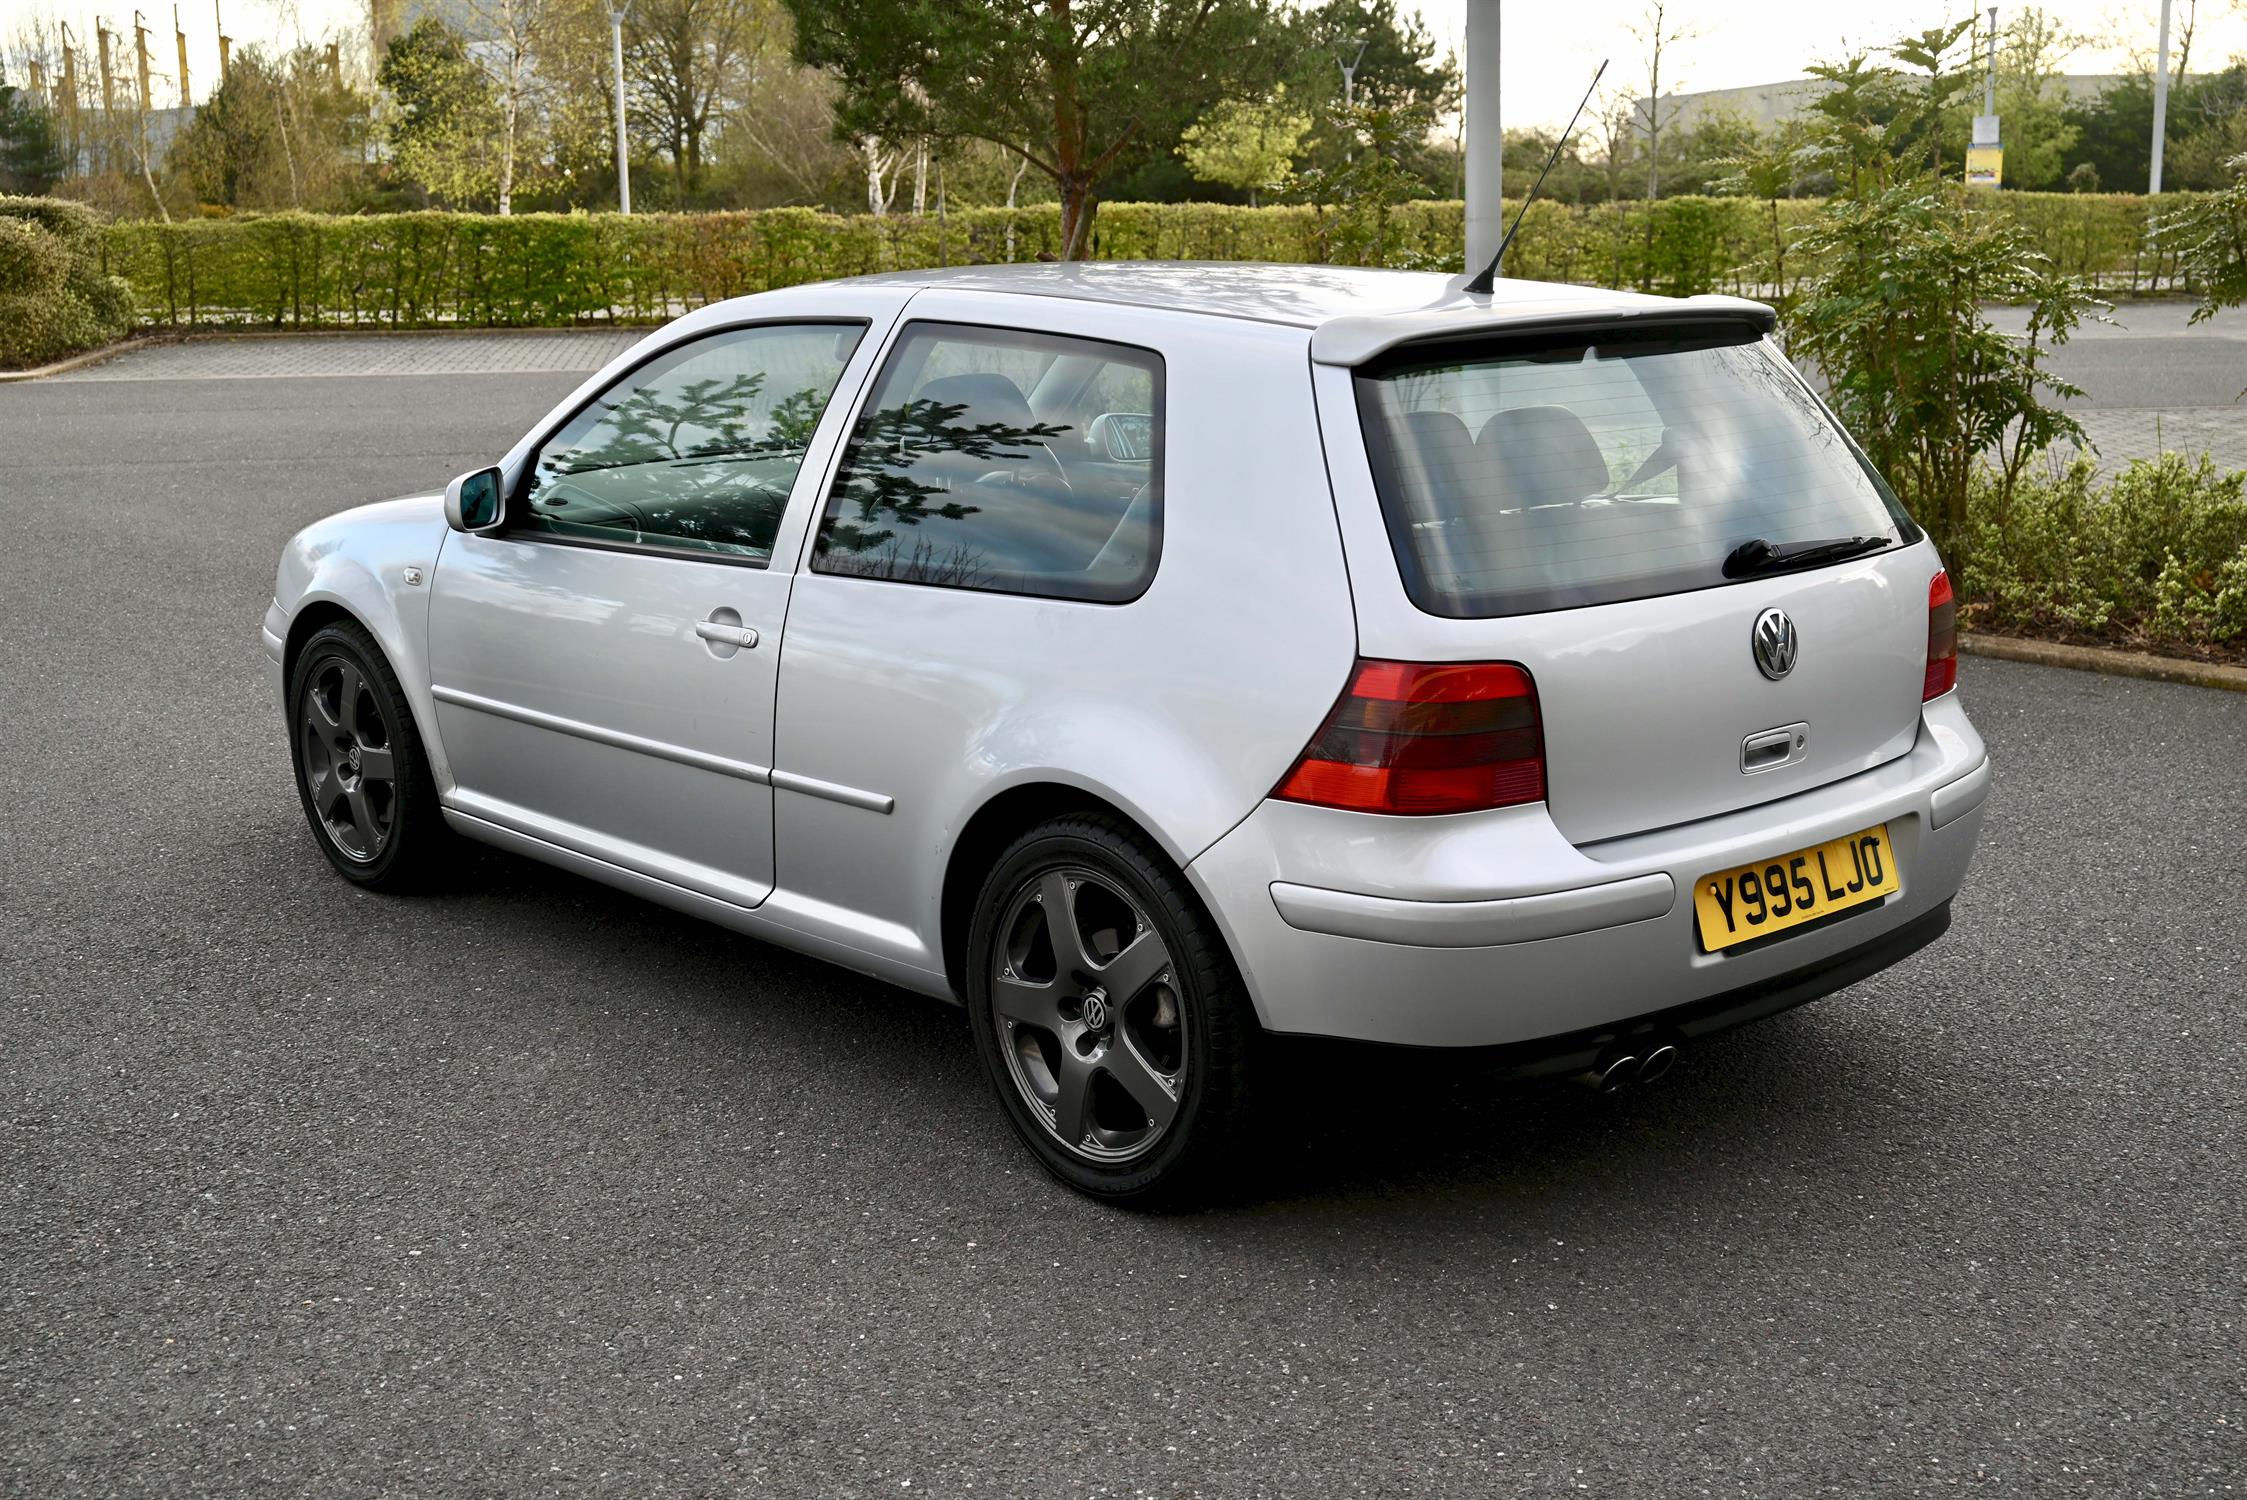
(881, 950)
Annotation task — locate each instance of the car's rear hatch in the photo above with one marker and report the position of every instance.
(1616, 508)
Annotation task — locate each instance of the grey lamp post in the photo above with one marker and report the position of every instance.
(2160, 102)
(1485, 139)
(623, 149)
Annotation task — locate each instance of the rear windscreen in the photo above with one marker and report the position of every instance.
(1592, 468)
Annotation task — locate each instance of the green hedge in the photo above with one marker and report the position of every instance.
(55, 299)
(2155, 556)
(542, 270)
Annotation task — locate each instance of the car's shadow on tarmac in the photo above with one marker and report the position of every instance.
(1345, 1129)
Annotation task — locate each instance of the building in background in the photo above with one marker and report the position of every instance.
(1769, 105)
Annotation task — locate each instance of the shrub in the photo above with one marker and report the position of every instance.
(31, 259)
(2156, 556)
(436, 269)
(2209, 238)
(55, 299)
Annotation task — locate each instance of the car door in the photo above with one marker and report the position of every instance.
(603, 665)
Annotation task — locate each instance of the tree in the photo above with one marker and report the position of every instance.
(1246, 144)
(1704, 151)
(511, 32)
(1890, 310)
(2031, 101)
(784, 131)
(31, 158)
(2209, 235)
(1357, 201)
(689, 62)
(229, 153)
(1769, 168)
(1926, 122)
(445, 115)
(1395, 65)
(1658, 35)
(1616, 121)
(2214, 116)
(1071, 86)
(2114, 130)
(279, 132)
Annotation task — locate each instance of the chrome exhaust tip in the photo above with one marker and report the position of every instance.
(1659, 1060)
(1611, 1073)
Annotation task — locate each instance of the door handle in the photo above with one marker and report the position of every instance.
(724, 634)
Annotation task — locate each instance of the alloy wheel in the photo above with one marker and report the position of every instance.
(1085, 1001)
(349, 769)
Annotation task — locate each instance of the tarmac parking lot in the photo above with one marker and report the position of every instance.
(526, 1187)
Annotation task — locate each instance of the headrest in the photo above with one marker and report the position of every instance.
(1544, 454)
(990, 399)
(1435, 448)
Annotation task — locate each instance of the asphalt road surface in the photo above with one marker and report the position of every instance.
(530, 1188)
(2149, 355)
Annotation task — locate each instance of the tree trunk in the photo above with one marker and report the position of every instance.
(1070, 149)
(1013, 185)
(1778, 253)
(507, 151)
(1077, 208)
(877, 162)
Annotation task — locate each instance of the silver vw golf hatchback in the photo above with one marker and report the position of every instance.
(1151, 658)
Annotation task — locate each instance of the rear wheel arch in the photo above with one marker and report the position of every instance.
(988, 833)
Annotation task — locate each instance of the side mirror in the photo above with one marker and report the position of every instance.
(472, 502)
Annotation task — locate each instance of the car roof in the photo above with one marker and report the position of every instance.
(1353, 312)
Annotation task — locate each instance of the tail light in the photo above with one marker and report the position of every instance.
(1425, 737)
(1942, 638)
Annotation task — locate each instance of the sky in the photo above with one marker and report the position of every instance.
(1548, 50)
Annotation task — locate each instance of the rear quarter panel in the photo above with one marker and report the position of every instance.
(1182, 707)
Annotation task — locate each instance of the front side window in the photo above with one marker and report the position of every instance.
(694, 451)
(994, 459)
(1567, 470)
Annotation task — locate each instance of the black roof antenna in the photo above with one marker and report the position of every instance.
(1481, 284)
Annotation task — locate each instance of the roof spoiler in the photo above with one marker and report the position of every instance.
(1354, 341)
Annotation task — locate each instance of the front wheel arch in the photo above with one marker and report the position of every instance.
(309, 621)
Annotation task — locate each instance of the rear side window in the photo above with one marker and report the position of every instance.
(996, 459)
(1546, 474)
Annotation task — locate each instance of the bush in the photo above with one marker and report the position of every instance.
(55, 299)
(421, 270)
(2209, 238)
(31, 260)
(2156, 556)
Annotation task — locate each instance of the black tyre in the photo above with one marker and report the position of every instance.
(1109, 1014)
(360, 769)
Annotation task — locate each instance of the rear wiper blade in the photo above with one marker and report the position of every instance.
(1758, 555)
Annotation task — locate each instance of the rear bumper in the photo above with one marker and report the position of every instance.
(1578, 1051)
(1491, 930)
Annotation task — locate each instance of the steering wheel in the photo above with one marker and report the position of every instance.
(554, 506)
(1012, 478)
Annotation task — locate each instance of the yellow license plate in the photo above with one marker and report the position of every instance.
(1755, 901)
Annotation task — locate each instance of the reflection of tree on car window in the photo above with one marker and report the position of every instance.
(699, 420)
(904, 457)
(724, 466)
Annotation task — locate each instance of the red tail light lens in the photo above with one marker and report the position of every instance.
(1426, 737)
(1942, 638)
